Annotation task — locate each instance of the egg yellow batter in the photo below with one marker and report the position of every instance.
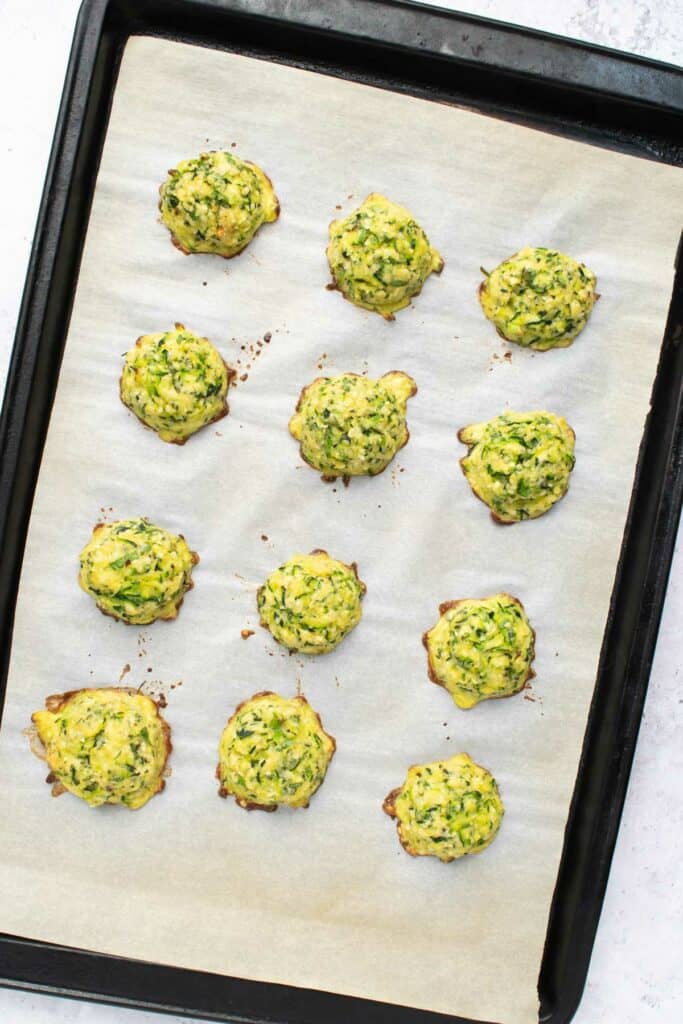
(539, 298)
(311, 602)
(380, 257)
(106, 746)
(175, 383)
(136, 571)
(273, 751)
(480, 648)
(216, 203)
(446, 809)
(352, 425)
(519, 463)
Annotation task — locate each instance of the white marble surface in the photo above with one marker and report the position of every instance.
(635, 975)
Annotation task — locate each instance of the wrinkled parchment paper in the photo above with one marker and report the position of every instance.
(326, 897)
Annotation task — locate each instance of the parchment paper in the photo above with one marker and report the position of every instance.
(326, 897)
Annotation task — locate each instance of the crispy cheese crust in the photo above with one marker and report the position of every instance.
(446, 809)
(480, 648)
(380, 257)
(273, 751)
(106, 745)
(175, 383)
(216, 203)
(351, 425)
(311, 602)
(519, 463)
(539, 298)
(136, 571)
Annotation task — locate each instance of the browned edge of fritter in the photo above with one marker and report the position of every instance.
(353, 567)
(446, 606)
(389, 804)
(346, 478)
(195, 252)
(161, 618)
(219, 415)
(389, 807)
(248, 805)
(56, 701)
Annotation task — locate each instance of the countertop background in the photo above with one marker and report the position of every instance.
(635, 975)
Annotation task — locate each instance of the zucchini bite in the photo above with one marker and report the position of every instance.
(107, 745)
(273, 751)
(216, 203)
(311, 602)
(446, 809)
(175, 383)
(380, 257)
(519, 463)
(539, 298)
(350, 425)
(480, 648)
(136, 571)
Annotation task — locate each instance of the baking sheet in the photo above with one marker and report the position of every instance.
(326, 898)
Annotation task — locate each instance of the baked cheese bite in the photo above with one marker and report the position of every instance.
(273, 751)
(480, 648)
(106, 745)
(519, 463)
(380, 257)
(446, 809)
(136, 571)
(539, 298)
(311, 602)
(175, 383)
(351, 425)
(216, 203)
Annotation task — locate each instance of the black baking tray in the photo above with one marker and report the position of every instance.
(584, 92)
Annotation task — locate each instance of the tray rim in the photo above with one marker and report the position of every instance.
(73, 123)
